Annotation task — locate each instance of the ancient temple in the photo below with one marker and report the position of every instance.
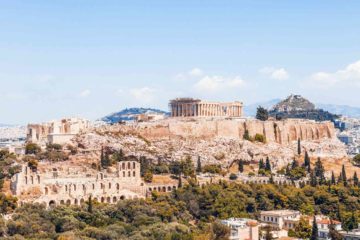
(189, 107)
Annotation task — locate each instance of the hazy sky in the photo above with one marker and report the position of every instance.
(89, 58)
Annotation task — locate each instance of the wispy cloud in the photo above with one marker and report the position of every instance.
(85, 93)
(216, 83)
(275, 73)
(144, 94)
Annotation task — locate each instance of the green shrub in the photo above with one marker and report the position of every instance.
(260, 138)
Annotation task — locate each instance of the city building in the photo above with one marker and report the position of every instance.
(189, 107)
(242, 228)
(282, 219)
(323, 224)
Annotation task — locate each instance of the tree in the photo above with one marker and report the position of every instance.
(306, 159)
(148, 176)
(241, 165)
(333, 234)
(32, 148)
(319, 169)
(302, 229)
(260, 138)
(294, 164)
(233, 176)
(180, 181)
(261, 164)
(90, 205)
(299, 146)
(220, 231)
(187, 167)
(333, 181)
(247, 135)
(198, 167)
(355, 179)
(343, 175)
(268, 235)
(262, 114)
(267, 165)
(105, 161)
(314, 231)
(350, 223)
(356, 159)
(313, 180)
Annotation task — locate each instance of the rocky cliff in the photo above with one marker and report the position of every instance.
(282, 132)
(216, 141)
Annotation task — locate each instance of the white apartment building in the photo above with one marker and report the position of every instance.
(282, 219)
(323, 224)
(242, 228)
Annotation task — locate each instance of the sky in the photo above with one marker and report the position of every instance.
(90, 58)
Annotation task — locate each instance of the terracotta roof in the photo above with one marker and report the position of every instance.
(327, 221)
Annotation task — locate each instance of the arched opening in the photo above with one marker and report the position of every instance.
(123, 174)
(95, 200)
(52, 203)
(134, 165)
(68, 202)
(76, 202)
(123, 166)
(129, 166)
(102, 199)
(169, 189)
(164, 189)
(84, 187)
(174, 187)
(74, 188)
(62, 202)
(82, 201)
(38, 178)
(32, 180)
(46, 191)
(102, 186)
(108, 200)
(109, 185)
(93, 186)
(65, 188)
(129, 174)
(26, 180)
(159, 189)
(134, 174)
(150, 189)
(117, 186)
(114, 199)
(122, 197)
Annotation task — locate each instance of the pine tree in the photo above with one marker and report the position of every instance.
(338, 213)
(299, 146)
(180, 181)
(319, 169)
(343, 173)
(313, 180)
(294, 164)
(241, 166)
(314, 231)
(271, 180)
(261, 164)
(340, 178)
(90, 205)
(355, 179)
(333, 181)
(262, 114)
(267, 164)
(105, 161)
(306, 159)
(199, 167)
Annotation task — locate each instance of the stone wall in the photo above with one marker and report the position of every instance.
(282, 132)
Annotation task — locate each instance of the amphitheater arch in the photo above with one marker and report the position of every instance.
(32, 180)
(174, 187)
(129, 165)
(150, 189)
(76, 202)
(102, 199)
(123, 166)
(129, 174)
(134, 166)
(68, 202)
(108, 200)
(114, 200)
(38, 178)
(122, 197)
(134, 174)
(46, 191)
(82, 201)
(93, 186)
(164, 189)
(52, 203)
(62, 202)
(169, 188)
(109, 185)
(118, 186)
(74, 187)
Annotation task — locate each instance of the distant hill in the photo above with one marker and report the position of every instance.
(5, 125)
(344, 110)
(129, 114)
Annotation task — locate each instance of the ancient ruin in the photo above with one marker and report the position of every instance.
(73, 184)
(189, 107)
(59, 131)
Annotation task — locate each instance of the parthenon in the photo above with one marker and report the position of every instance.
(189, 107)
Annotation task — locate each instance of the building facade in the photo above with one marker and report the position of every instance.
(189, 107)
(74, 185)
(282, 219)
(242, 228)
(59, 131)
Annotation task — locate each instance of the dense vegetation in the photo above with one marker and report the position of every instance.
(188, 213)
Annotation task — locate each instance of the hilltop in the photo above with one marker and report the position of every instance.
(129, 114)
